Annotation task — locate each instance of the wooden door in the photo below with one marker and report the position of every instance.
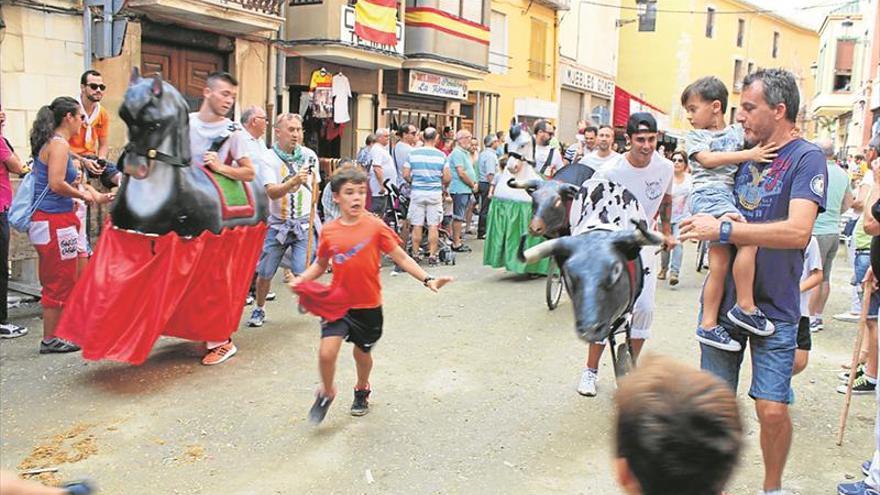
(185, 68)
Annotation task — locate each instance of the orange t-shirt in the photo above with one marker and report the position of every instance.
(100, 130)
(355, 251)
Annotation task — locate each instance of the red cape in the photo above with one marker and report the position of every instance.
(330, 303)
(138, 287)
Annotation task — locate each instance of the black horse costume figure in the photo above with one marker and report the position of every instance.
(180, 250)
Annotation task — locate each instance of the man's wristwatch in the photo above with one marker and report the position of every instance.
(726, 229)
(427, 280)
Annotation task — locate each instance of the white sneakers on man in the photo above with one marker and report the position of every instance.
(587, 386)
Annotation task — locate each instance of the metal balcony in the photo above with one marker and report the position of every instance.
(555, 4)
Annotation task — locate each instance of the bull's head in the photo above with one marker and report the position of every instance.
(550, 203)
(597, 272)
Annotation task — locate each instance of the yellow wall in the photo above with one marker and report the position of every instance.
(517, 82)
(656, 66)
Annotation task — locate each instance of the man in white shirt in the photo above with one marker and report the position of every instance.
(288, 182)
(602, 153)
(382, 168)
(648, 176)
(220, 145)
(548, 159)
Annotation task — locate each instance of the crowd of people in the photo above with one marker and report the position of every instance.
(767, 203)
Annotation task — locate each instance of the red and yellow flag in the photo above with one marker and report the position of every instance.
(376, 21)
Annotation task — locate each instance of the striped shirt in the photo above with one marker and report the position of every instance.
(427, 164)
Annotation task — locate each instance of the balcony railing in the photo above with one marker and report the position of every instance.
(272, 7)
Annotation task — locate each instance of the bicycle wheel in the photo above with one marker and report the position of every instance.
(702, 248)
(555, 285)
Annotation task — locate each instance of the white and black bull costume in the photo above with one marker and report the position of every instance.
(602, 260)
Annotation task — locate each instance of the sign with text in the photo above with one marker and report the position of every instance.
(587, 81)
(425, 83)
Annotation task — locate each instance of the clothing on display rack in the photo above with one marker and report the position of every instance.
(341, 92)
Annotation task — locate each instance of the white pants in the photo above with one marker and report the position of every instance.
(643, 309)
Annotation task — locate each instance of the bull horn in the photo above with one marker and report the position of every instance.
(523, 184)
(569, 189)
(644, 236)
(538, 252)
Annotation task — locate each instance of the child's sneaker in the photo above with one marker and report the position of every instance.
(844, 375)
(718, 338)
(857, 488)
(220, 354)
(587, 385)
(258, 317)
(319, 408)
(754, 322)
(817, 325)
(361, 405)
(860, 387)
(673, 279)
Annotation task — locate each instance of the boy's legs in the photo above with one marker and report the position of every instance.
(327, 354)
(364, 362)
(713, 289)
(744, 277)
(675, 261)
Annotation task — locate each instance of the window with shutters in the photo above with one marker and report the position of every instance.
(470, 10)
(738, 76)
(648, 20)
(775, 44)
(740, 32)
(732, 115)
(710, 22)
(498, 58)
(538, 50)
(843, 64)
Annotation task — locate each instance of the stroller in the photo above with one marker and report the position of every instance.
(396, 210)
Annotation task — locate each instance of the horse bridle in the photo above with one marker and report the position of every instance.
(154, 154)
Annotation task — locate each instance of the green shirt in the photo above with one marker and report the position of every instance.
(461, 158)
(828, 223)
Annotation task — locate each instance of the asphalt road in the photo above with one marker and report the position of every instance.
(474, 392)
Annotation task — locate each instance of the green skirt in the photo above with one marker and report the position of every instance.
(508, 221)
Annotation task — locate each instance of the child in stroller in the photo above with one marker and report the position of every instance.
(396, 212)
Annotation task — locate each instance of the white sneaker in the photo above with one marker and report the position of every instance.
(587, 387)
(849, 317)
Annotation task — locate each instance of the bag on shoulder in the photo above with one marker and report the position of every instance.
(23, 204)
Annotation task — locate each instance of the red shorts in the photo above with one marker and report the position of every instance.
(54, 236)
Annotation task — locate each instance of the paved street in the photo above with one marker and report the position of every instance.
(474, 392)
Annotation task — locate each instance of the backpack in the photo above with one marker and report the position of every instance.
(23, 204)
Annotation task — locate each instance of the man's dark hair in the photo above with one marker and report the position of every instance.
(605, 126)
(780, 87)
(592, 128)
(346, 175)
(708, 89)
(404, 128)
(84, 78)
(678, 428)
(429, 134)
(220, 76)
(541, 125)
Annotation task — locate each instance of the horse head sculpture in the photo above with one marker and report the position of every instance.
(163, 191)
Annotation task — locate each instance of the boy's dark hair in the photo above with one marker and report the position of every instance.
(220, 76)
(678, 428)
(345, 175)
(708, 89)
(779, 87)
(84, 78)
(593, 129)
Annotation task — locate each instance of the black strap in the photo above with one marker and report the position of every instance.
(549, 159)
(154, 154)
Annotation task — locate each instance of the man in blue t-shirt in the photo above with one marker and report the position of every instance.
(779, 202)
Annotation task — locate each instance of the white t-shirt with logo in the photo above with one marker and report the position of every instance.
(648, 184)
(292, 205)
(202, 135)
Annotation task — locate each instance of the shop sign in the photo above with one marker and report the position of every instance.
(348, 36)
(587, 81)
(425, 83)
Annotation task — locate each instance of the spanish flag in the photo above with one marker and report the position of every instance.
(376, 21)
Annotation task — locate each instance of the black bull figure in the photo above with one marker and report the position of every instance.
(162, 191)
(601, 265)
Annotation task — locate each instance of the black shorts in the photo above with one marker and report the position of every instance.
(804, 339)
(361, 327)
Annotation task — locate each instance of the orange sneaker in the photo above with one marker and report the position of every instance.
(219, 354)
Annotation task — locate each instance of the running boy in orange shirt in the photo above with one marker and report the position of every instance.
(355, 242)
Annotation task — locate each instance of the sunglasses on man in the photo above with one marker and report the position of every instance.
(96, 87)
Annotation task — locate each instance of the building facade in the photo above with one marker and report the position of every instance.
(662, 51)
(587, 65)
(164, 36)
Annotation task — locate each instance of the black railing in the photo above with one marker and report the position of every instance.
(266, 6)
(294, 3)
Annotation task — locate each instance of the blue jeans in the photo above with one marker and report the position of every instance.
(274, 249)
(672, 261)
(772, 362)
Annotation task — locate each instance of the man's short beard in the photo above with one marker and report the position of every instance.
(95, 98)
